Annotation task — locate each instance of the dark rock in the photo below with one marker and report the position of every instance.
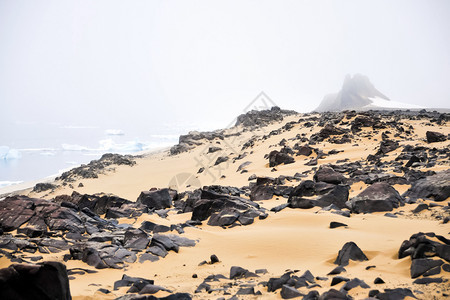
(130, 281)
(436, 187)
(225, 217)
(214, 259)
(421, 265)
(378, 280)
(313, 295)
(155, 199)
(355, 282)
(434, 137)
(337, 224)
(298, 202)
(221, 159)
(243, 166)
(95, 167)
(151, 289)
(334, 295)
(433, 271)
(276, 283)
(246, 291)
(259, 118)
(337, 270)
(338, 196)
(387, 146)
(261, 192)
(42, 187)
(15, 211)
(327, 174)
(379, 196)
(338, 279)
(288, 292)
(238, 272)
(446, 267)
(213, 149)
(349, 251)
(148, 257)
(304, 150)
(395, 294)
(156, 228)
(165, 242)
(276, 158)
(44, 281)
(136, 239)
(427, 280)
(420, 207)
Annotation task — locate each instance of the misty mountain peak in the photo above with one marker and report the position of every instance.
(356, 92)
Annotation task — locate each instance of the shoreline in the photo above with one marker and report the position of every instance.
(266, 194)
(27, 186)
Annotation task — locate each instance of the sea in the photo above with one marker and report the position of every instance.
(42, 150)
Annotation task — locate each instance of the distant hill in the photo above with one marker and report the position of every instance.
(358, 93)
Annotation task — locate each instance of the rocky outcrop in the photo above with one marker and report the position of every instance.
(44, 281)
(436, 187)
(259, 118)
(435, 137)
(350, 251)
(99, 166)
(379, 196)
(277, 158)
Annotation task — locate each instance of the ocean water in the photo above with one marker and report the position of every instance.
(33, 151)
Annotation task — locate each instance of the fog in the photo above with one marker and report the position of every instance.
(145, 62)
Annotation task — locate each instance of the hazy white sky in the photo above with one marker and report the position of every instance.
(158, 61)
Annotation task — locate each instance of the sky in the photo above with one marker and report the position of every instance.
(150, 62)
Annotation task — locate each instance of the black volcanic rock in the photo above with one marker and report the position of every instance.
(44, 281)
(421, 265)
(395, 294)
(259, 118)
(327, 174)
(349, 251)
(155, 199)
(95, 167)
(338, 196)
(387, 146)
(379, 196)
(434, 137)
(436, 187)
(276, 158)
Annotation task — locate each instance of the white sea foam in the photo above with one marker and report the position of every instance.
(114, 132)
(74, 147)
(108, 145)
(7, 153)
(8, 183)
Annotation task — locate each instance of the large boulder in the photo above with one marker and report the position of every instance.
(40, 282)
(434, 137)
(387, 146)
(15, 211)
(436, 187)
(350, 251)
(276, 158)
(338, 196)
(223, 209)
(379, 196)
(261, 192)
(328, 175)
(155, 199)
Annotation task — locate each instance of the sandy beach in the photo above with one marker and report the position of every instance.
(283, 240)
